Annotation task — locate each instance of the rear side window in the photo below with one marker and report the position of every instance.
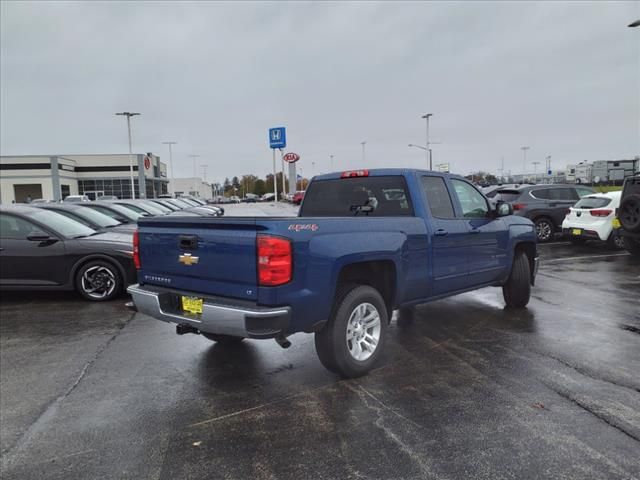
(542, 193)
(582, 191)
(507, 195)
(563, 194)
(346, 197)
(592, 202)
(438, 197)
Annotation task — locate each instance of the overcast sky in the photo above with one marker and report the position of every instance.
(562, 78)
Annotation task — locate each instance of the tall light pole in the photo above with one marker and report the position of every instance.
(364, 160)
(524, 159)
(535, 176)
(194, 157)
(129, 115)
(548, 158)
(331, 160)
(427, 151)
(173, 188)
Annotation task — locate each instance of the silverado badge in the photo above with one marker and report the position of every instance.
(188, 259)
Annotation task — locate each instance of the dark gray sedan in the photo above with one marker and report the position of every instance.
(43, 250)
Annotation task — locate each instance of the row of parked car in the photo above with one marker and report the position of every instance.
(81, 245)
(575, 211)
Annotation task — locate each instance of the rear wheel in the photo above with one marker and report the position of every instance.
(632, 245)
(544, 229)
(354, 337)
(615, 241)
(517, 290)
(223, 339)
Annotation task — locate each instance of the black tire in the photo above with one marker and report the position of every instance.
(517, 290)
(223, 339)
(615, 241)
(99, 281)
(632, 245)
(545, 229)
(332, 345)
(629, 213)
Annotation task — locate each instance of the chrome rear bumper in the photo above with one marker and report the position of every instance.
(238, 320)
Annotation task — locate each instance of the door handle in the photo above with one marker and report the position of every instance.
(441, 232)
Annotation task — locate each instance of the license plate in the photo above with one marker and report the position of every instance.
(616, 223)
(192, 304)
(576, 231)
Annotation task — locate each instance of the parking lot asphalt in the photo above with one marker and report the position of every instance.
(465, 389)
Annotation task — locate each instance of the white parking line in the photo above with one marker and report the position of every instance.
(584, 257)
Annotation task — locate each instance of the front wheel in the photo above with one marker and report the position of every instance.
(632, 245)
(354, 337)
(517, 290)
(99, 280)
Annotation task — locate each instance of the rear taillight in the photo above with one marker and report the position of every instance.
(604, 212)
(355, 173)
(567, 212)
(136, 250)
(274, 261)
(519, 206)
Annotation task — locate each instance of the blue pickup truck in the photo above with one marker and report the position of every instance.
(365, 242)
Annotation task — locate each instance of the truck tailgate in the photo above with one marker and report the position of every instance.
(203, 255)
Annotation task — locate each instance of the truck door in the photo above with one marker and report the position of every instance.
(488, 236)
(449, 237)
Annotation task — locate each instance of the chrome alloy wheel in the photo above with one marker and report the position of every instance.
(363, 331)
(544, 230)
(98, 281)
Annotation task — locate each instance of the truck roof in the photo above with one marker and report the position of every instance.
(377, 172)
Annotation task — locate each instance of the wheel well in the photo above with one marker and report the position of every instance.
(380, 274)
(84, 261)
(529, 248)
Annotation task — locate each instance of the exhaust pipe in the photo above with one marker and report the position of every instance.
(282, 341)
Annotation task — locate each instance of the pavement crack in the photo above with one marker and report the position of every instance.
(593, 412)
(587, 373)
(51, 408)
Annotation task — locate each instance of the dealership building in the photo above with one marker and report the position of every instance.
(54, 177)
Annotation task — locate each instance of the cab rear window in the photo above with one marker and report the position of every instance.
(359, 196)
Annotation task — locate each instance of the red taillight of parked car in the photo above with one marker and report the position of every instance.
(136, 250)
(355, 173)
(519, 206)
(600, 212)
(275, 261)
(567, 212)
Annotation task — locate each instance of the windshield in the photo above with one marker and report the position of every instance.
(96, 217)
(62, 225)
(115, 211)
(155, 208)
(592, 202)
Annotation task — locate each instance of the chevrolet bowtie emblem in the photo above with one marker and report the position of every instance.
(188, 259)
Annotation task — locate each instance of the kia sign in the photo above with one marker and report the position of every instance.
(291, 157)
(147, 162)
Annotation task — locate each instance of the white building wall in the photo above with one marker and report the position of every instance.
(186, 186)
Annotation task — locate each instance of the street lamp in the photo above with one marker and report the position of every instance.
(331, 159)
(427, 150)
(194, 171)
(634, 24)
(535, 176)
(129, 115)
(364, 163)
(418, 146)
(173, 188)
(524, 159)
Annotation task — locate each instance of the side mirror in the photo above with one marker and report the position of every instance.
(38, 236)
(504, 209)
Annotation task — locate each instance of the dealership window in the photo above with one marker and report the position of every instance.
(65, 191)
